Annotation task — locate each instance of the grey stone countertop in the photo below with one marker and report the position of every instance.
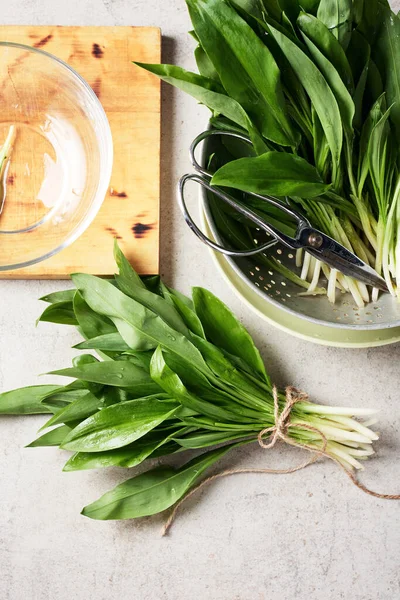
(310, 535)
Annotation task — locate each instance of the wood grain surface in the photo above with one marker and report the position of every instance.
(131, 99)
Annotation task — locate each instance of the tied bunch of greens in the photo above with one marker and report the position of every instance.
(175, 373)
(315, 84)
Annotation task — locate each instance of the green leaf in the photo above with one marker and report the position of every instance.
(250, 7)
(223, 329)
(326, 42)
(369, 18)
(111, 342)
(374, 116)
(56, 297)
(127, 273)
(55, 437)
(275, 173)
(378, 158)
(196, 440)
(26, 401)
(78, 410)
(245, 66)
(153, 491)
(154, 302)
(105, 299)
(321, 146)
(172, 384)
(153, 444)
(359, 56)
(119, 424)
(387, 57)
(59, 312)
(227, 377)
(337, 15)
(310, 6)
(204, 65)
(115, 373)
(91, 323)
(320, 93)
(63, 396)
(343, 98)
(290, 8)
(185, 310)
(203, 90)
(374, 85)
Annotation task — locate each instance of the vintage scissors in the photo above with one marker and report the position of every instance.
(315, 242)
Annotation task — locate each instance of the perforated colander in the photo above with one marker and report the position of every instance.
(276, 289)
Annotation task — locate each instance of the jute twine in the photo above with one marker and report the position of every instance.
(279, 431)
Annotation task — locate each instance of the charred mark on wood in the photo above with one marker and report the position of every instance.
(113, 233)
(114, 192)
(43, 41)
(140, 229)
(97, 51)
(141, 215)
(96, 86)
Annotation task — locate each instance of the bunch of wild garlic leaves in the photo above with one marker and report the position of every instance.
(316, 86)
(175, 374)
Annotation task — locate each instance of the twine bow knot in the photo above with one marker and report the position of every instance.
(282, 420)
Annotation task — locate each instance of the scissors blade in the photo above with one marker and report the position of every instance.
(338, 257)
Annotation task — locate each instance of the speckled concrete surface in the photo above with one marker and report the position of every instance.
(307, 535)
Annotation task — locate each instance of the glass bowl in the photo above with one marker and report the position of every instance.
(55, 155)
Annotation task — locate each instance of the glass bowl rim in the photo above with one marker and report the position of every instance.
(105, 175)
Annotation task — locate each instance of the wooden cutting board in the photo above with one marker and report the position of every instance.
(131, 99)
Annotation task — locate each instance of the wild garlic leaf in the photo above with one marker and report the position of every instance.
(290, 8)
(323, 38)
(55, 297)
(172, 385)
(342, 95)
(210, 94)
(223, 329)
(59, 312)
(78, 410)
(106, 299)
(374, 116)
(129, 286)
(26, 401)
(119, 424)
(91, 323)
(64, 395)
(337, 15)
(202, 89)
(245, 66)
(185, 309)
(320, 93)
(320, 146)
(127, 274)
(310, 6)
(275, 173)
(203, 439)
(204, 65)
(379, 159)
(153, 444)
(55, 437)
(386, 54)
(122, 374)
(153, 491)
(111, 342)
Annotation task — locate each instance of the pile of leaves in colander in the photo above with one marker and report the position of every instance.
(316, 86)
(175, 374)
